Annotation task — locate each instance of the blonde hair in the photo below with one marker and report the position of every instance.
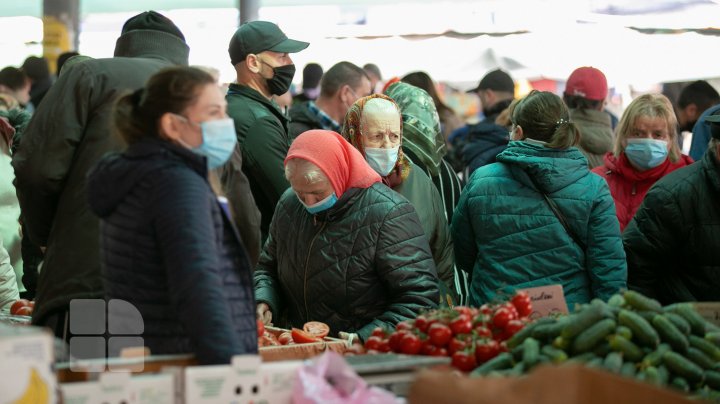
(651, 106)
(544, 116)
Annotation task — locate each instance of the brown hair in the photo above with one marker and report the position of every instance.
(424, 81)
(653, 106)
(544, 116)
(172, 90)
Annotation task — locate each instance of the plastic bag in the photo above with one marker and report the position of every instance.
(330, 380)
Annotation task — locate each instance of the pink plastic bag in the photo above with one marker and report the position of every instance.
(330, 380)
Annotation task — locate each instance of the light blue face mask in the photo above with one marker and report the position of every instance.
(382, 160)
(323, 205)
(218, 141)
(646, 153)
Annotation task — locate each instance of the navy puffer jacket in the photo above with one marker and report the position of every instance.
(169, 249)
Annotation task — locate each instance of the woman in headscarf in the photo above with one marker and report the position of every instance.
(343, 248)
(374, 126)
(538, 216)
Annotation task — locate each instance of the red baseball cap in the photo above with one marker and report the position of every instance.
(587, 82)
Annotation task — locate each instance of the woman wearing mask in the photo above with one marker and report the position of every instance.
(538, 216)
(343, 248)
(168, 247)
(646, 149)
(374, 126)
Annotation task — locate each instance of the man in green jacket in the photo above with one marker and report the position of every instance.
(673, 242)
(259, 50)
(67, 135)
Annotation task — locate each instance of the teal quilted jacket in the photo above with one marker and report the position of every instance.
(507, 237)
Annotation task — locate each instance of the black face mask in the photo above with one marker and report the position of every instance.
(282, 77)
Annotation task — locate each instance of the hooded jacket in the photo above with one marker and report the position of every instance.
(169, 249)
(596, 134)
(361, 264)
(672, 243)
(628, 186)
(67, 135)
(507, 236)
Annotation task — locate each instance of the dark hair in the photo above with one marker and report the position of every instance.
(172, 90)
(340, 74)
(424, 81)
(582, 103)
(36, 68)
(13, 78)
(312, 73)
(543, 116)
(700, 93)
(62, 59)
(372, 68)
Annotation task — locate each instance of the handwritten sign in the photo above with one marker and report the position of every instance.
(710, 311)
(547, 300)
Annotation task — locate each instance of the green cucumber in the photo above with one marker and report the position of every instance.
(624, 332)
(548, 332)
(713, 337)
(555, 355)
(603, 349)
(616, 300)
(531, 352)
(679, 322)
(581, 321)
(688, 312)
(630, 351)
(520, 336)
(561, 343)
(640, 302)
(641, 328)
(582, 358)
(664, 374)
(712, 379)
(655, 357)
(699, 358)
(680, 383)
(588, 339)
(613, 362)
(683, 367)
(652, 375)
(670, 334)
(628, 369)
(704, 345)
(503, 361)
(595, 362)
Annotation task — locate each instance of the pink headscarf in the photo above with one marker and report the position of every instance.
(342, 163)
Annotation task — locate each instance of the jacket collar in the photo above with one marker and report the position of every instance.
(343, 204)
(245, 91)
(154, 146)
(152, 44)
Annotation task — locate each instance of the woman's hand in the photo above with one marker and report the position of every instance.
(263, 313)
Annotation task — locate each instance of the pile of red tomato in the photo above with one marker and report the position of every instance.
(470, 336)
(22, 307)
(313, 331)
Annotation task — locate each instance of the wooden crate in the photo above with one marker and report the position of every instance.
(299, 351)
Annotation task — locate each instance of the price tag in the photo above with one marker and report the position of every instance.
(547, 300)
(709, 310)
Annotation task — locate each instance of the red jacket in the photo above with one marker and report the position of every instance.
(628, 186)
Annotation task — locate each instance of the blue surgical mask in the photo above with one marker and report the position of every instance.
(325, 204)
(218, 141)
(382, 160)
(646, 153)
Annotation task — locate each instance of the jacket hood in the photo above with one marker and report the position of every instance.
(621, 166)
(117, 174)
(552, 169)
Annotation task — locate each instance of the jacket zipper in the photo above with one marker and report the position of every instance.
(307, 261)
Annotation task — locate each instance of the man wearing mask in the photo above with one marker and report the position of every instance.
(259, 50)
(341, 86)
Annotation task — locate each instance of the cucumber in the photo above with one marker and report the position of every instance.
(652, 376)
(640, 302)
(520, 336)
(641, 328)
(670, 334)
(713, 337)
(613, 362)
(503, 361)
(683, 367)
(704, 345)
(624, 332)
(712, 379)
(517, 370)
(589, 338)
(679, 322)
(699, 358)
(646, 314)
(616, 300)
(595, 362)
(588, 317)
(628, 369)
(582, 358)
(561, 343)
(555, 355)
(630, 351)
(603, 349)
(531, 352)
(664, 374)
(655, 357)
(680, 383)
(548, 332)
(687, 311)
(517, 353)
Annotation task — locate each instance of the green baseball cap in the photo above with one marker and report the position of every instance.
(259, 36)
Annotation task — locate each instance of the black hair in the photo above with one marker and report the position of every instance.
(340, 74)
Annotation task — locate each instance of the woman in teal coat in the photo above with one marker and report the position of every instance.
(505, 232)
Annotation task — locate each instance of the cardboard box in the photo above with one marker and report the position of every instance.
(121, 388)
(299, 351)
(547, 300)
(26, 358)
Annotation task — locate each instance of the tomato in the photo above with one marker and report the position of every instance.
(461, 325)
(464, 361)
(456, 345)
(486, 309)
(378, 332)
(24, 311)
(260, 328)
(384, 346)
(440, 352)
(463, 310)
(483, 332)
(404, 325)
(302, 337)
(482, 319)
(501, 317)
(18, 304)
(410, 344)
(427, 348)
(31, 303)
(394, 340)
(522, 303)
(512, 327)
(421, 323)
(316, 329)
(439, 334)
(373, 342)
(486, 351)
(285, 338)
(514, 315)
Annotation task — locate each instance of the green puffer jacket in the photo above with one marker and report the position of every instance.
(262, 132)
(672, 242)
(361, 264)
(507, 236)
